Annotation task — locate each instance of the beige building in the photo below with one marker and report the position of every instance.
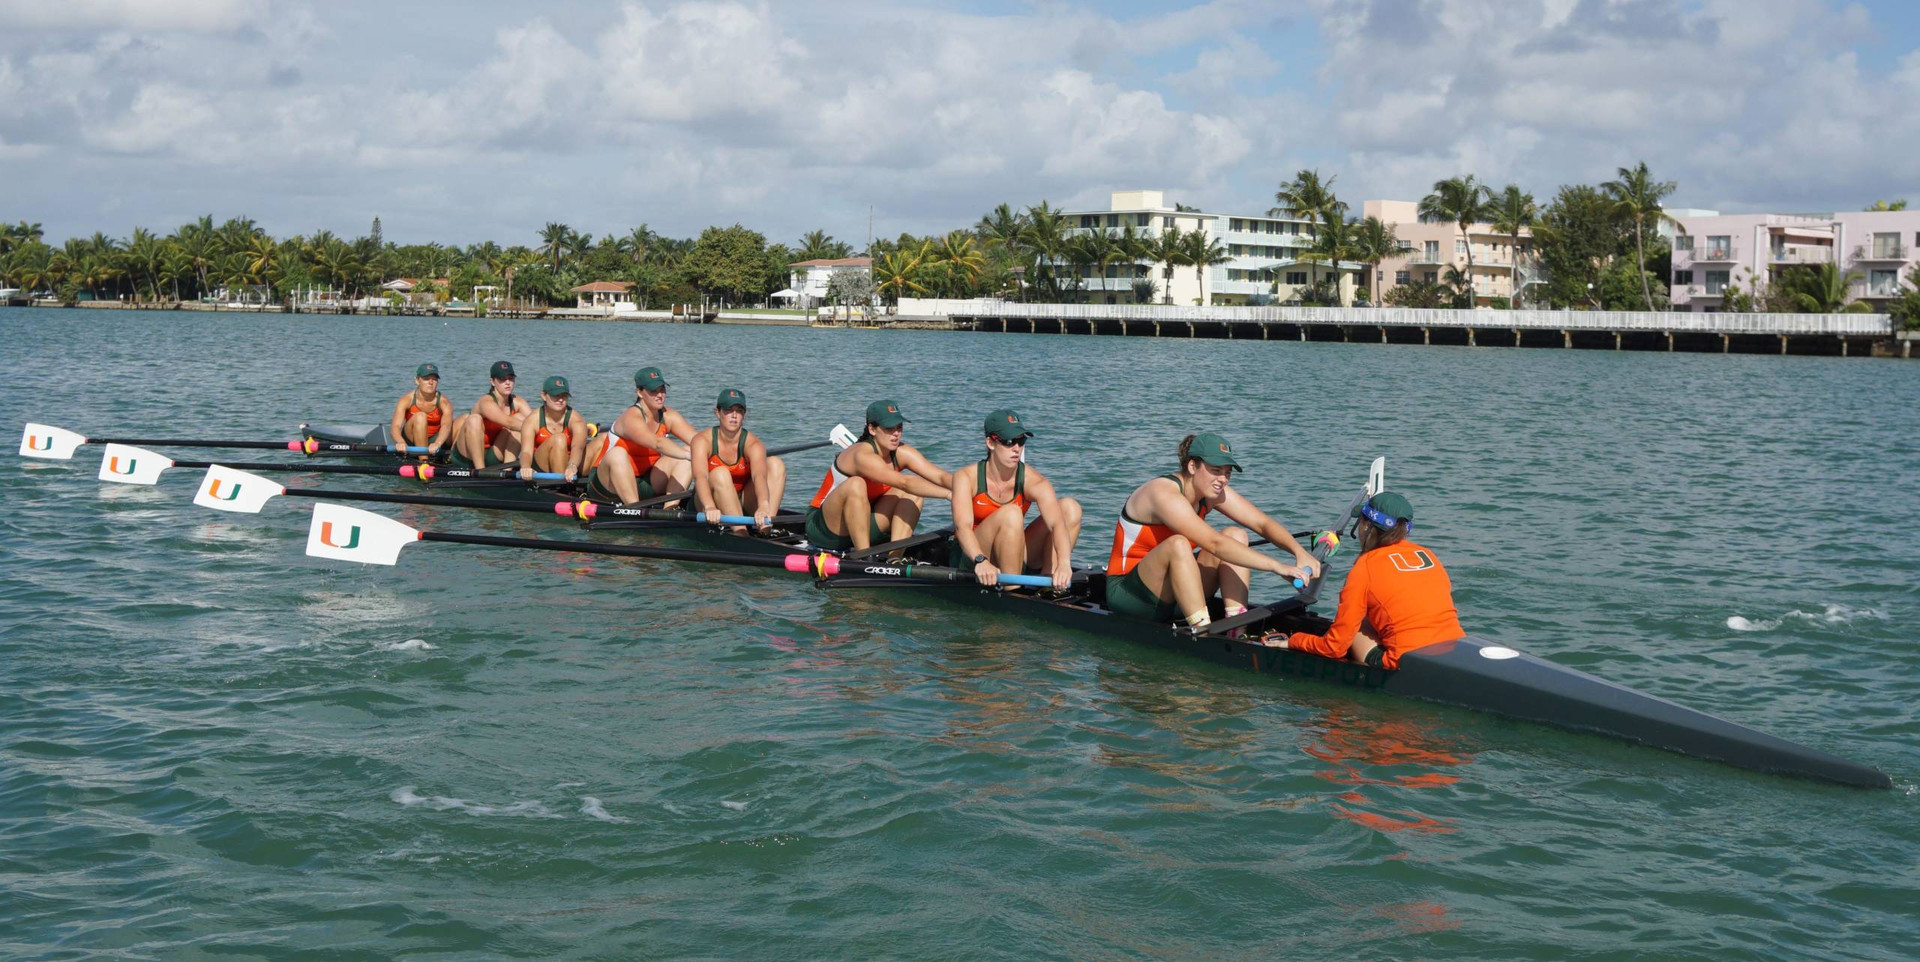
(1433, 248)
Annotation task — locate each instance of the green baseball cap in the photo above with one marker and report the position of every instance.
(556, 386)
(502, 371)
(427, 370)
(1387, 509)
(886, 414)
(1005, 425)
(1214, 450)
(730, 398)
(649, 379)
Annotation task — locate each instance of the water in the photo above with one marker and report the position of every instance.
(213, 745)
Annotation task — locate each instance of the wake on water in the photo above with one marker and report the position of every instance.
(1834, 615)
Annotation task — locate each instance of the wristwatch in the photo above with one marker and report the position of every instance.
(979, 558)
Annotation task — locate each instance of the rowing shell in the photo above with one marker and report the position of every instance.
(1468, 673)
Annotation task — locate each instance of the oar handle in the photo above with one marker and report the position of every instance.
(316, 446)
(588, 510)
(826, 566)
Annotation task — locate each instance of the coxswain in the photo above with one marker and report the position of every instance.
(489, 434)
(884, 505)
(555, 438)
(990, 503)
(1397, 597)
(423, 417)
(734, 474)
(1168, 562)
(645, 454)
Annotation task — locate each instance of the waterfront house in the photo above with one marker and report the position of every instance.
(606, 296)
(808, 280)
(1713, 251)
(1433, 247)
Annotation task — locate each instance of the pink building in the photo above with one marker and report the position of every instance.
(1432, 248)
(1711, 252)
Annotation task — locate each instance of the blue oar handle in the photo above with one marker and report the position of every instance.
(407, 449)
(706, 518)
(1027, 581)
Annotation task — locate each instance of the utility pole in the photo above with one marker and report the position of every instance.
(869, 230)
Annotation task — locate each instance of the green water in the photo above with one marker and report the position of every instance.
(213, 746)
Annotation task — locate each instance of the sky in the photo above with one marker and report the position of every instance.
(460, 121)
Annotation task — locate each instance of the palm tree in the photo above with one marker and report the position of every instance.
(1001, 229)
(1170, 249)
(1308, 198)
(1820, 289)
(1332, 245)
(899, 273)
(1042, 245)
(1513, 212)
(1637, 195)
(819, 245)
(1374, 241)
(1202, 251)
(556, 240)
(260, 262)
(1463, 202)
(1878, 205)
(960, 261)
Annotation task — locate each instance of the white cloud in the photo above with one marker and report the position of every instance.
(134, 15)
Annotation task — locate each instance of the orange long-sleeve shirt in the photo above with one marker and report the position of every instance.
(1401, 591)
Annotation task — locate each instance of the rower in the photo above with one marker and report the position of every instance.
(1397, 597)
(990, 504)
(423, 417)
(646, 452)
(489, 434)
(556, 436)
(1168, 561)
(885, 505)
(748, 480)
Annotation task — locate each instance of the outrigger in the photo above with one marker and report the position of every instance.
(1469, 673)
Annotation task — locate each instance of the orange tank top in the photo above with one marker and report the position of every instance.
(983, 504)
(1133, 540)
(491, 427)
(738, 469)
(432, 413)
(566, 427)
(836, 478)
(643, 457)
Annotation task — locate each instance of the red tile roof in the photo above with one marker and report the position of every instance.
(836, 262)
(604, 287)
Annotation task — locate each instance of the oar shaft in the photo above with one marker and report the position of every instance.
(796, 448)
(828, 566)
(399, 471)
(435, 473)
(621, 550)
(309, 446)
(326, 494)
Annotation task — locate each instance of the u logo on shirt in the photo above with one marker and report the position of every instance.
(1423, 559)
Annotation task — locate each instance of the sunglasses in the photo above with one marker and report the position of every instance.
(1003, 442)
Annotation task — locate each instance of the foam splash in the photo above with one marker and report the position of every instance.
(411, 644)
(736, 806)
(406, 796)
(591, 807)
(1832, 616)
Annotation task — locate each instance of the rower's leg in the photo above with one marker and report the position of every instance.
(416, 431)
(776, 481)
(726, 500)
(1229, 580)
(898, 513)
(615, 472)
(1169, 571)
(469, 440)
(848, 512)
(1040, 536)
(677, 475)
(506, 444)
(551, 456)
(1001, 538)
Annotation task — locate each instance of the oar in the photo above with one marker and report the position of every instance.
(126, 464)
(839, 437)
(227, 489)
(350, 534)
(589, 510)
(49, 442)
(431, 472)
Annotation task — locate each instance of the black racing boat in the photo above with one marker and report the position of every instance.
(1469, 673)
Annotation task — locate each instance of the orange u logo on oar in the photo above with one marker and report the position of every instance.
(213, 491)
(326, 537)
(113, 465)
(33, 442)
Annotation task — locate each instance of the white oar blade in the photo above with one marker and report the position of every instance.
(840, 436)
(130, 465)
(225, 489)
(1377, 477)
(47, 441)
(350, 534)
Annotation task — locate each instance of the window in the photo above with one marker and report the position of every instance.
(1402, 277)
(1460, 247)
(1113, 220)
(1886, 245)
(1717, 281)
(1142, 220)
(1432, 252)
(1719, 246)
(1683, 277)
(1683, 242)
(1433, 277)
(1883, 283)
(1296, 277)
(1089, 221)
(1166, 223)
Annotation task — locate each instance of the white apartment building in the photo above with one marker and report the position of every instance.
(1265, 268)
(808, 280)
(1712, 251)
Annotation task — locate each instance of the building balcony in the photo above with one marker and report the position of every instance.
(1877, 290)
(1883, 252)
(1428, 260)
(1715, 255)
(1800, 255)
